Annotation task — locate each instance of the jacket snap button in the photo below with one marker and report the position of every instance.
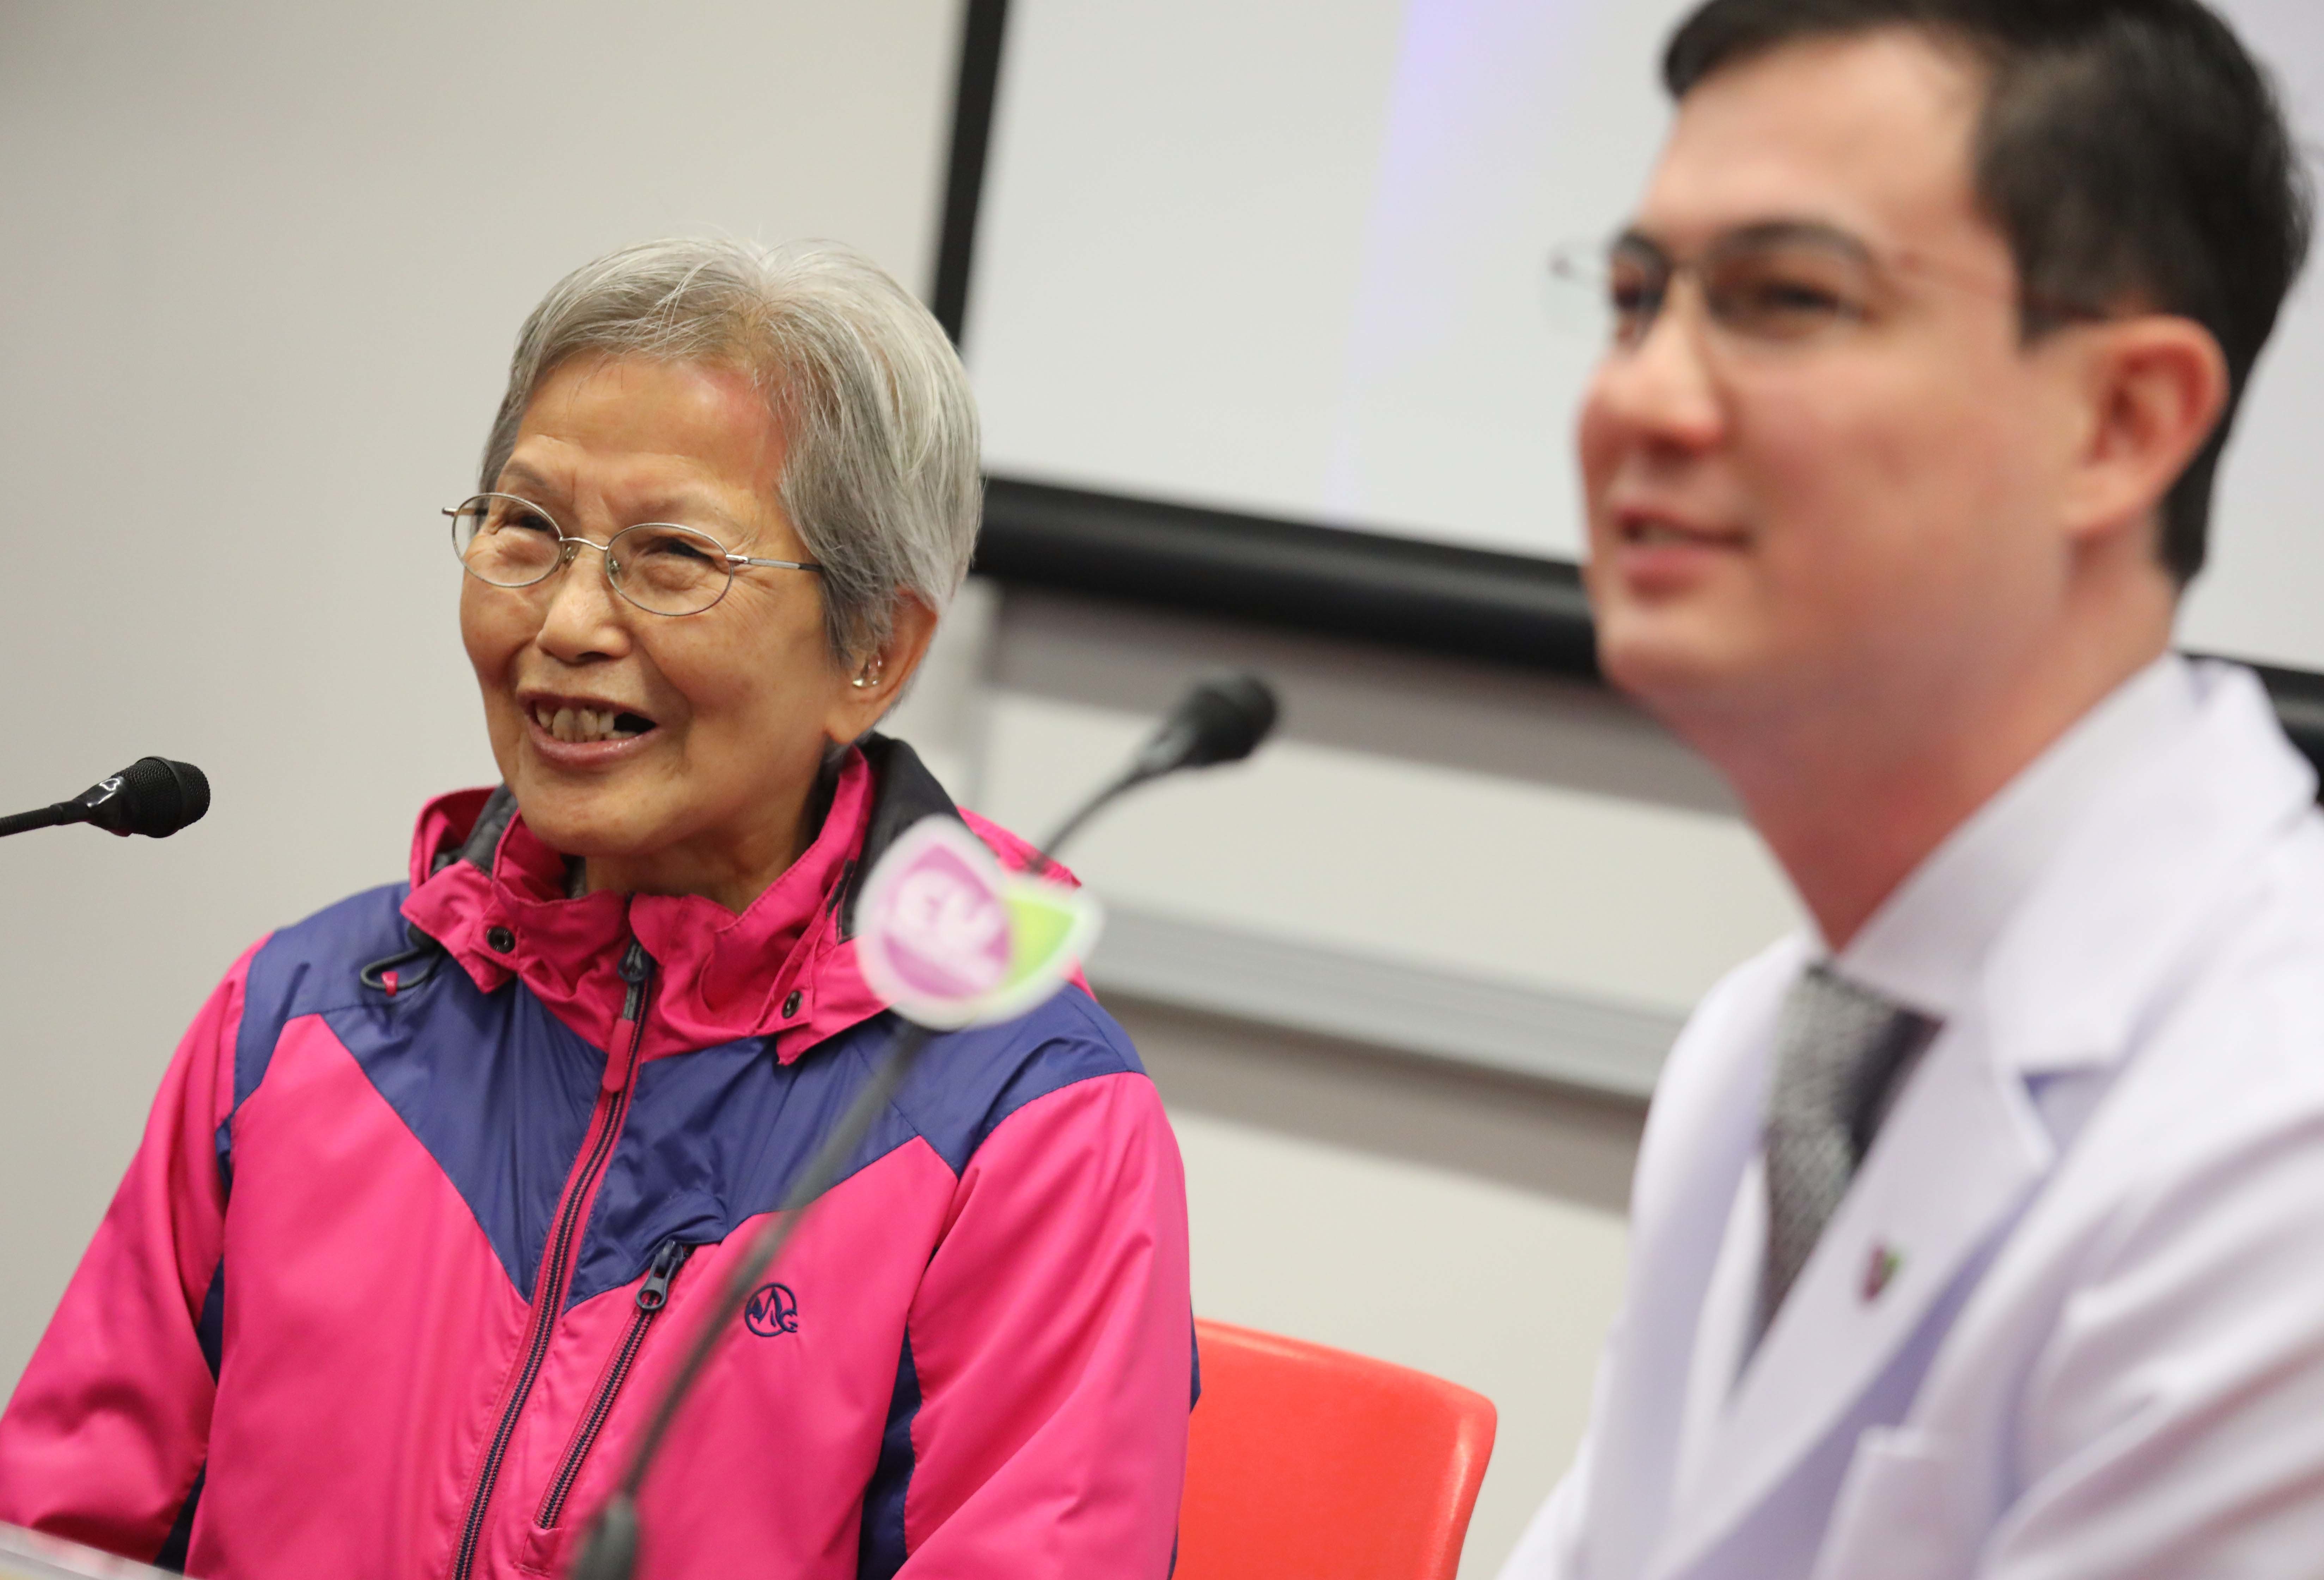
(499, 940)
(790, 1004)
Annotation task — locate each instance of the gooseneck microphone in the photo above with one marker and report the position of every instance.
(1221, 720)
(152, 795)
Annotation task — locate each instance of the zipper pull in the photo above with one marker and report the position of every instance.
(668, 1258)
(636, 967)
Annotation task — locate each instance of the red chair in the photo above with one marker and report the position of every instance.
(1309, 1463)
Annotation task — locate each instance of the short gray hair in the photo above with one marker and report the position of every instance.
(880, 477)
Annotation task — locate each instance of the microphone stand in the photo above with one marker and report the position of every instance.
(46, 818)
(611, 1552)
(611, 1549)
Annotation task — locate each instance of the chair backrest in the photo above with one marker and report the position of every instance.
(1306, 1461)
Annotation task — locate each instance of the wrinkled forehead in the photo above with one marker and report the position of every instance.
(635, 439)
(1870, 133)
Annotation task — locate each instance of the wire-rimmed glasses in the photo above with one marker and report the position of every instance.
(1760, 286)
(661, 567)
(1785, 283)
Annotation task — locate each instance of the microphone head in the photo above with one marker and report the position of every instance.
(1230, 715)
(1221, 720)
(152, 795)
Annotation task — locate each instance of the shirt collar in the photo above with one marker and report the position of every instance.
(1924, 945)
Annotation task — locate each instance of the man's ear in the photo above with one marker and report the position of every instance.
(872, 687)
(2155, 388)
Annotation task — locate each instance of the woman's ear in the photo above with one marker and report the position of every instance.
(2156, 387)
(873, 686)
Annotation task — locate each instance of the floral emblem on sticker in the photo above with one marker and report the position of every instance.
(950, 939)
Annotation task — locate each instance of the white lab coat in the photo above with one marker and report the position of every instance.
(2099, 1350)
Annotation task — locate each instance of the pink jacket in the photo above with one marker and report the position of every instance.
(441, 1180)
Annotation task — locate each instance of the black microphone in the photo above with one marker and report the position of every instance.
(152, 795)
(1221, 720)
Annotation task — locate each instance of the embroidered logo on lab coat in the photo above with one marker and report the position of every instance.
(1880, 1270)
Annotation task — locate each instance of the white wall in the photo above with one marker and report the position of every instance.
(1502, 826)
(267, 264)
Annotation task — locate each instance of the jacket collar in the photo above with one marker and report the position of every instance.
(2117, 918)
(493, 894)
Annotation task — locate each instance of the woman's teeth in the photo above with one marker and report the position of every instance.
(587, 724)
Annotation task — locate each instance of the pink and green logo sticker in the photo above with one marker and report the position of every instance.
(950, 939)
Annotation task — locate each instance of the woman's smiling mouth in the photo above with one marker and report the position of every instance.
(587, 729)
(589, 723)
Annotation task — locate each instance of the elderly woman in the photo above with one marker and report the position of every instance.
(444, 1179)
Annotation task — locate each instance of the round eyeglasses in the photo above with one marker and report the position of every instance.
(661, 567)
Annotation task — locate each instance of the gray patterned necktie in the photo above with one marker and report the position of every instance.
(1840, 1050)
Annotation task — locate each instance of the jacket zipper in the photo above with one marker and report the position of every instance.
(549, 1294)
(652, 1296)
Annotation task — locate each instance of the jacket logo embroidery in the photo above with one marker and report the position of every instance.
(772, 1312)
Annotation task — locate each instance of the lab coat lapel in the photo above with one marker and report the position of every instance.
(1722, 1338)
(1697, 1150)
(1891, 1251)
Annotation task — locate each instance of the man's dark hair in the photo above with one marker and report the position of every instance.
(2131, 151)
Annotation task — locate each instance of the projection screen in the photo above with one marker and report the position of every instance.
(1255, 301)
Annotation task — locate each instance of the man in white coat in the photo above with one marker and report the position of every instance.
(1979, 1231)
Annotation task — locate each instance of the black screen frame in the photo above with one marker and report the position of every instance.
(1528, 613)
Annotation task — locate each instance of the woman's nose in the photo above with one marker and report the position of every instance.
(585, 618)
